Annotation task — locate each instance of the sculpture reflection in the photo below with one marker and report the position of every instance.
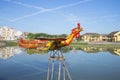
(36, 51)
(114, 51)
(60, 73)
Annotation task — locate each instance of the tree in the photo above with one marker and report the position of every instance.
(30, 36)
(44, 35)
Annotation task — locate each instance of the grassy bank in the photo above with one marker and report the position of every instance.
(85, 45)
(74, 44)
(9, 43)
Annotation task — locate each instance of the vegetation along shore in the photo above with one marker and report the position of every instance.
(97, 45)
(73, 44)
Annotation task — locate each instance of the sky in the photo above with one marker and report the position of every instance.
(60, 16)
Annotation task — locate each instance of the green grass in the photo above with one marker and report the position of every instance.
(11, 43)
(85, 45)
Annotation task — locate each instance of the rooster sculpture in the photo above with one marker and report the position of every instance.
(51, 43)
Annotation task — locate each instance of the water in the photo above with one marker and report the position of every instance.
(18, 64)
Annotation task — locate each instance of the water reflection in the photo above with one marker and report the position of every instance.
(92, 49)
(7, 52)
(61, 72)
(36, 51)
(55, 66)
(115, 51)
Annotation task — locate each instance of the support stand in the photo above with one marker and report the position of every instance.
(56, 55)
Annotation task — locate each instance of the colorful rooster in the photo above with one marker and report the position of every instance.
(51, 43)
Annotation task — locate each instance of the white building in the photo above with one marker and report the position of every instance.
(18, 34)
(7, 33)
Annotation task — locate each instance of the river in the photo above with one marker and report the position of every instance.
(20, 64)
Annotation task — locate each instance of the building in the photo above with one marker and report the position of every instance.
(95, 37)
(91, 37)
(103, 37)
(7, 33)
(114, 36)
(17, 34)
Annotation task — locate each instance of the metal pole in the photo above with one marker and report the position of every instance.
(59, 70)
(52, 70)
(67, 72)
(64, 78)
(48, 70)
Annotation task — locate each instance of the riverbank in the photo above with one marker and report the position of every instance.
(97, 45)
(8, 43)
(73, 44)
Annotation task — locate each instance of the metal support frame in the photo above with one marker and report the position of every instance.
(62, 69)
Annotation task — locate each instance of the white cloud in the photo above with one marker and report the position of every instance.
(69, 5)
(28, 5)
(25, 16)
(92, 20)
(42, 10)
(25, 5)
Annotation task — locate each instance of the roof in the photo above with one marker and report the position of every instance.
(91, 34)
(104, 34)
(112, 33)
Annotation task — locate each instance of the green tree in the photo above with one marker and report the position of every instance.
(30, 36)
(44, 35)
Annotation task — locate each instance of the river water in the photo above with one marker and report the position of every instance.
(20, 64)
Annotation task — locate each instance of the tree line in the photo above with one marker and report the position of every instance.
(45, 35)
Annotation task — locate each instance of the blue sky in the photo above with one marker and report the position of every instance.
(60, 16)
